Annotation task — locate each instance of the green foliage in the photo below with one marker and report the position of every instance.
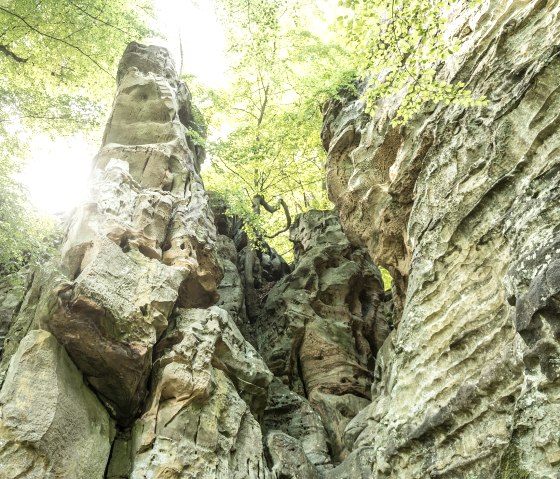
(57, 58)
(281, 76)
(56, 64)
(398, 45)
(387, 279)
(62, 54)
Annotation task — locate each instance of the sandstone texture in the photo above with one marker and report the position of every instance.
(209, 385)
(323, 323)
(12, 291)
(51, 423)
(462, 206)
(156, 335)
(162, 344)
(142, 244)
(99, 323)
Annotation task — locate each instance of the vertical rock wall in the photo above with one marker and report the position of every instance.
(12, 291)
(133, 355)
(118, 329)
(322, 324)
(463, 206)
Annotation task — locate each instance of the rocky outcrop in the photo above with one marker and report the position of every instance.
(149, 361)
(142, 244)
(162, 344)
(292, 415)
(250, 272)
(12, 291)
(208, 387)
(323, 323)
(127, 301)
(462, 206)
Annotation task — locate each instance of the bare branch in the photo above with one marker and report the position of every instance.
(259, 200)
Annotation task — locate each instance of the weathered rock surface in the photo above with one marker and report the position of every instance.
(162, 320)
(208, 386)
(249, 272)
(293, 415)
(462, 206)
(130, 301)
(142, 244)
(35, 300)
(51, 424)
(323, 323)
(11, 294)
(231, 290)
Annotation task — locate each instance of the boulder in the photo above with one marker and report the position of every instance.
(51, 423)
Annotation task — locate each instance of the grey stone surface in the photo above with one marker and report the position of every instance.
(294, 416)
(143, 243)
(323, 323)
(209, 386)
(462, 206)
(12, 291)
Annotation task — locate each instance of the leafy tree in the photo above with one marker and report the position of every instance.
(24, 236)
(57, 60)
(397, 46)
(272, 160)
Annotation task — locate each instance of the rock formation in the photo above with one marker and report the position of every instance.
(139, 332)
(322, 324)
(52, 425)
(135, 355)
(462, 206)
(11, 294)
(136, 259)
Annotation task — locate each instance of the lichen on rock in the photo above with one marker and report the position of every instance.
(51, 423)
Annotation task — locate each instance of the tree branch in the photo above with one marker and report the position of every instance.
(56, 39)
(97, 18)
(259, 200)
(9, 53)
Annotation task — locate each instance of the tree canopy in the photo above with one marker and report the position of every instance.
(269, 119)
(281, 75)
(58, 58)
(397, 47)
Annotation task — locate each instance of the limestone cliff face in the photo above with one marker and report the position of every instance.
(462, 205)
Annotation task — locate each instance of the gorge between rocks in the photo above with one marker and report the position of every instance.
(161, 344)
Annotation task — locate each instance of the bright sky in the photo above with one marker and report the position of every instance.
(57, 172)
(194, 24)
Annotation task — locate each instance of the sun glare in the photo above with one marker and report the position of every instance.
(192, 26)
(56, 174)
